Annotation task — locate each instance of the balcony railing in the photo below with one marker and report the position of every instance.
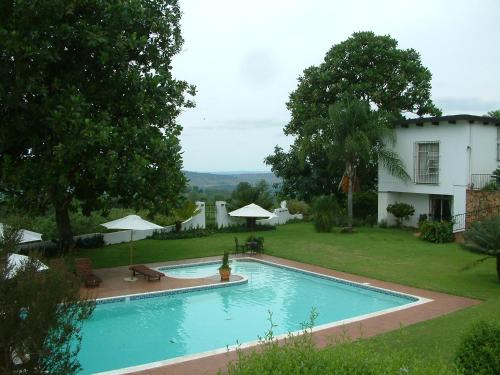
(481, 181)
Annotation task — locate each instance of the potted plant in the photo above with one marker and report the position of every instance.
(225, 270)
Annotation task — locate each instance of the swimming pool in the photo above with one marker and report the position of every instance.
(137, 330)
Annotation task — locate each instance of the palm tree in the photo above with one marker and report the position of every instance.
(357, 136)
(484, 238)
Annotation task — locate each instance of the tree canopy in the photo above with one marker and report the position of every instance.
(245, 193)
(494, 113)
(354, 136)
(368, 67)
(89, 105)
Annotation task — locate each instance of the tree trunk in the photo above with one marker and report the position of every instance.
(349, 202)
(64, 228)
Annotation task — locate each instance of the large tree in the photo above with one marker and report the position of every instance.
(367, 67)
(89, 104)
(355, 136)
(494, 113)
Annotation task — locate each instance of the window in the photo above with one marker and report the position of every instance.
(427, 163)
(440, 207)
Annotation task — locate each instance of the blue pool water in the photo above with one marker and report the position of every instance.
(129, 333)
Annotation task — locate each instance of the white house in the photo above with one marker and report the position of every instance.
(444, 156)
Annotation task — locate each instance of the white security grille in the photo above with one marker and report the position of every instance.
(426, 163)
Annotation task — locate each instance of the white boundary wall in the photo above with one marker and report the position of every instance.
(196, 221)
(281, 216)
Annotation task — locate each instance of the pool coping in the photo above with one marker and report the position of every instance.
(416, 301)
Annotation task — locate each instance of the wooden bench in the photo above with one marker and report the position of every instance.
(146, 272)
(83, 269)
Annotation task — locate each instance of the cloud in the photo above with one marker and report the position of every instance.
(466, 105)
(258, 67)
(239, 124)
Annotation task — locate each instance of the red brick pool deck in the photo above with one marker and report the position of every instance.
(441, 304)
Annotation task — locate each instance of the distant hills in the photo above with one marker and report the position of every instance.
(228, 180)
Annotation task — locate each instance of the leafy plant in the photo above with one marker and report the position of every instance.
(184, 212)
(421, 219)
(296, 206)
(365, 205)
(190, 233)
(436, 231)
(324, 208)
(382, 223)
(402, 211)
(484, 237)
(47, 334)
(479, 350)
(299, 355)
(225, 261)
(91, 242)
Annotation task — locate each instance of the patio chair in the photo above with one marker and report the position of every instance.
(83, 269)
(239, 248)
(146, 272)
(260, 245)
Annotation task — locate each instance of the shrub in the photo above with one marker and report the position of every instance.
(484, 238)
(298, 207)
(324, 207)
(365, 203)
(91, 242)
(421, 219)
(299, 355)
(244, 228)
(436, 231)
(183, 234)
(382, 223)
(402, 211)
(479, 350)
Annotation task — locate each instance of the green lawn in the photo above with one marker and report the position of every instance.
(385, 254)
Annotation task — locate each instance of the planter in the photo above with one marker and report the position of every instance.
(225, 274)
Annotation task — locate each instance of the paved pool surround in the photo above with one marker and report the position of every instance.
(113, 285)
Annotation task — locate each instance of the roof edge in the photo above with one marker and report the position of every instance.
(452, 118)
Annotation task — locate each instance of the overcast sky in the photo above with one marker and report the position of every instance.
(245, 56)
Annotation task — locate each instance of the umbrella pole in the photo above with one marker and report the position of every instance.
(132, 278)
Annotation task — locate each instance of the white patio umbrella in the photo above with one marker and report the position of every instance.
(26, 235)
(251, 212)
(131, 222)
(16, 261)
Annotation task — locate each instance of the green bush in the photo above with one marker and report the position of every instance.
(365, 203)
(244, 228)
(479, 350)
(91, 242)
(383, 224)
(298, 207)
(436, 231)
(325, 208)
(299, 355)
(402, 211)
(183, 234)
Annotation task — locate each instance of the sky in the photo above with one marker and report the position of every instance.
(245, 56)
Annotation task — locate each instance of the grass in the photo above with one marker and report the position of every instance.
(385, 254)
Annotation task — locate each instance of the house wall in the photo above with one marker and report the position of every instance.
(464, 149)
(420, 203)
(483, 149)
